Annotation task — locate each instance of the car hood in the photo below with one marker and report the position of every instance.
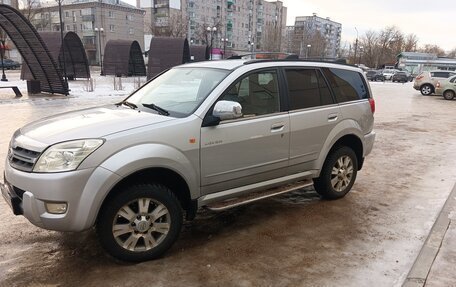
(89, 123)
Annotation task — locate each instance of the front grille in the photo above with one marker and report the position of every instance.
(23, 159)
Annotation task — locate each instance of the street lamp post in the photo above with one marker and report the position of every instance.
(211, 31)
(361, 48)
(356, 45)
(307, 50)
(99, 31)
(224, 40)
(2, 51)
(62, 44)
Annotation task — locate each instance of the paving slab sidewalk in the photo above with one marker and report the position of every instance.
(435, 264)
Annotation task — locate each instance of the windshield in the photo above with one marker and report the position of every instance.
(179, 91)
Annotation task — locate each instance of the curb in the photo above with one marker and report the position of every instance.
(422, 266)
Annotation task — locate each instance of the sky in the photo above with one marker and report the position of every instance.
(431, 21)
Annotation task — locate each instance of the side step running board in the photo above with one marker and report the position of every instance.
(255, 196)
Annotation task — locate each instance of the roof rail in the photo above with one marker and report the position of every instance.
(294, 59)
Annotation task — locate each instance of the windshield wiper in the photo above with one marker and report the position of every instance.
(128, 104)
(160, 110)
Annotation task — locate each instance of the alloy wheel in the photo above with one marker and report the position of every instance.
(342, 173)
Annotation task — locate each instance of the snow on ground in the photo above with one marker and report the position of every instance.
(103, 86)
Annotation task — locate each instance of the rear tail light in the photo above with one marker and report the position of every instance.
(372, 104)
(419, 77)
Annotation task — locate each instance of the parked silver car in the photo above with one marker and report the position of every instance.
(447, 88)
(214, 134)
(425, 82)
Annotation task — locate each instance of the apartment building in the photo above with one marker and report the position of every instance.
(314, 36)
(11, 51)
(96, 22)
(240, 25)
(244, 25)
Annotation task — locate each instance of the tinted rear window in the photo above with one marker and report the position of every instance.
(440, 74)
(307, 88)
(347, 85)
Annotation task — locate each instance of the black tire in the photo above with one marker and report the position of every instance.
(426, 90)
(151, 222)
(448, 95)
(323, 184)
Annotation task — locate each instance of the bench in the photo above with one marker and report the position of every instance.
(15, 89)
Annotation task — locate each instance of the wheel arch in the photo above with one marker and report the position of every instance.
(354, 142)
(171, 179)
(351, 139)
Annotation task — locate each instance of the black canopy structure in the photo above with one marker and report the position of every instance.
(33, 50)
(199, 53)
(165, 53)
(123, 58)
(76, 63)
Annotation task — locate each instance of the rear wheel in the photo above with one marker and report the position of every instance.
(338, 174)
(140, 223)
(426, 90)
(448, 95)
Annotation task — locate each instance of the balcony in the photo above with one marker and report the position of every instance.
(88, 18)
(90, 46)
(88, 33)
(230, 2)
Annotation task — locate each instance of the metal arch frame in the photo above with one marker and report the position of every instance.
(76, 63)
(136, 60)
(14, 23)
(67, 44)
(123, 58)
(166, 52)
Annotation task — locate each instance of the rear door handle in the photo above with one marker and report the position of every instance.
(277, 128)
(332, 117)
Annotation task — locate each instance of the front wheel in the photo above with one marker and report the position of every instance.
(448, 95)
(140, 223)
(338, 174)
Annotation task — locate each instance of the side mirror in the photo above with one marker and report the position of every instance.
(227, 110)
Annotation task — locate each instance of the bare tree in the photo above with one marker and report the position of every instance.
(452, 53)
(411, 42)
(29, 9)
(432, 49)
(271, 38)
(370, 44)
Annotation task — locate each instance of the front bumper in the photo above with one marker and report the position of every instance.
(82, 190)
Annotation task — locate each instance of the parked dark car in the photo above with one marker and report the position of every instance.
(9, 64)
(402, 77)
(375, 75)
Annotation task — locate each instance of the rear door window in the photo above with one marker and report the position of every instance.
(440, 74)
(307, 88)
(347, 85)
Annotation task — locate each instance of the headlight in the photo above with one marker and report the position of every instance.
(66, 156)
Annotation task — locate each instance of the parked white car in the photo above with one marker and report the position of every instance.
(388, 73)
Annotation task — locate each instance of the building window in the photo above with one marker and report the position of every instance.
(68, 28)
(67, 14)
(130, 17)
(132, 31)
(110, 14)
(111, 28)
(75, 27)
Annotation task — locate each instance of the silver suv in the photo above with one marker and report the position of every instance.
(214, 134)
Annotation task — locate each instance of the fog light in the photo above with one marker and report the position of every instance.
(56, 207)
